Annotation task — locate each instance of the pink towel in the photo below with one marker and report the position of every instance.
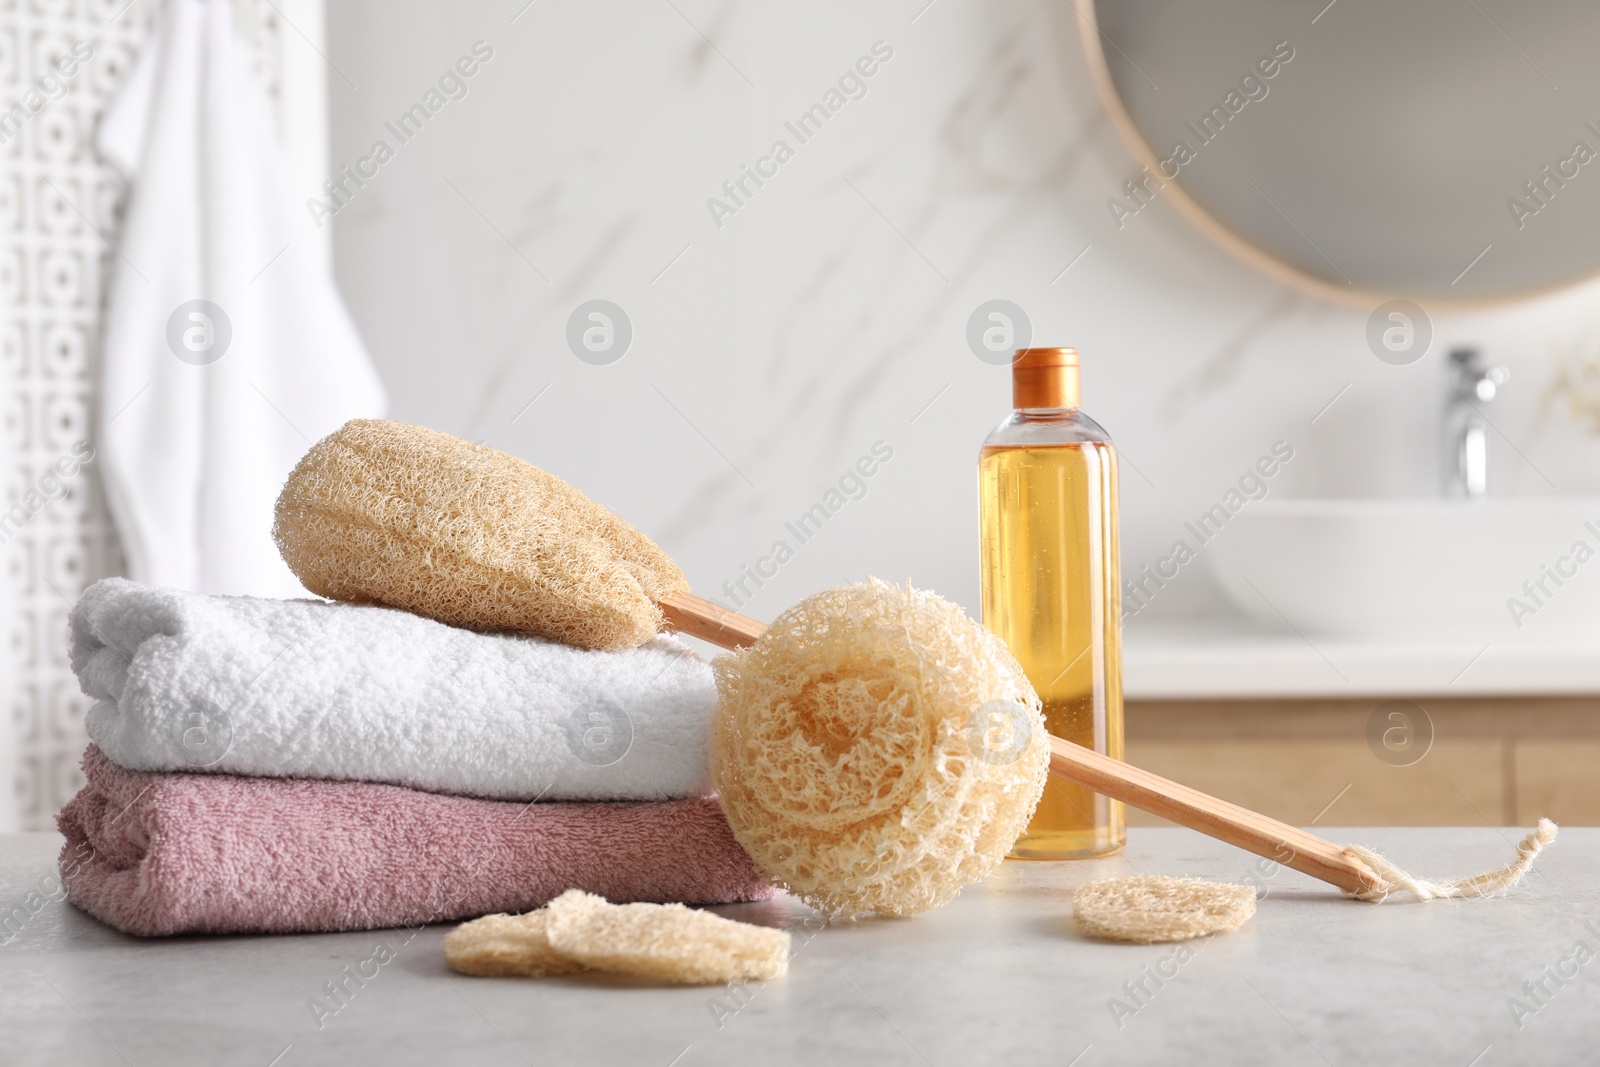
(154, 854)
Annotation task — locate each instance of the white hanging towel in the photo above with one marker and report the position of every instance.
(205, 407)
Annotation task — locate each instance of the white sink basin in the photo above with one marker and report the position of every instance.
(1417, 569)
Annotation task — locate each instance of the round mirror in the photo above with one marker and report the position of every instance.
(1437, 149)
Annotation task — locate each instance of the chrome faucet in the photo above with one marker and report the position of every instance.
(1466, 431)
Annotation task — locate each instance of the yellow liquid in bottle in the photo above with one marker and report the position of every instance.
(1050, 592)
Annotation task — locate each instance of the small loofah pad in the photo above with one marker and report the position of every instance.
(1153, 908)
(498, 946)
(876, 750)
(666, 941)
(379, 512)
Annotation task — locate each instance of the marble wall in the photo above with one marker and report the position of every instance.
(781, 337)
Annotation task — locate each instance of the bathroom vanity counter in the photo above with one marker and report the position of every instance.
(999, 976)
(1229, 660)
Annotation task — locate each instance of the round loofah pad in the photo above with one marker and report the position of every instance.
(876, 750)
(379, 512)
(1153, 908)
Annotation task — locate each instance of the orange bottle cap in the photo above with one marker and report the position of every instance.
(1045, 378)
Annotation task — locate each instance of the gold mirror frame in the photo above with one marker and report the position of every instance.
(1090, 37)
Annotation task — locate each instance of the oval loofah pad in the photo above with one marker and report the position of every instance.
(380, 512)
(854, 754)
(665, 941)
(1151, 908)
(502, 946)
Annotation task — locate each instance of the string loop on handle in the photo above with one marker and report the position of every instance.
(1479, 885)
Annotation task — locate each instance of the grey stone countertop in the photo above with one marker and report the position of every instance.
(999, 976)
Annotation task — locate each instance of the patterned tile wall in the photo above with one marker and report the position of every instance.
(58, 205)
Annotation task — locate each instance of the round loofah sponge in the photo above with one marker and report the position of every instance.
(876, 750)
(379, 512)
(1152, 908)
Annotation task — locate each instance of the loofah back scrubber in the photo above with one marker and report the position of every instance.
(380, 512)
(876, 750)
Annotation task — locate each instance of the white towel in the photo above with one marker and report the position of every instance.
(307, 689)
(193, 452)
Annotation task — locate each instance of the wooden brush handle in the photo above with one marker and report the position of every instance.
(1249, 830)
(1280, 842)
(699, 617)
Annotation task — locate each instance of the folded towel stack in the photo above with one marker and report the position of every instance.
(278, 765)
